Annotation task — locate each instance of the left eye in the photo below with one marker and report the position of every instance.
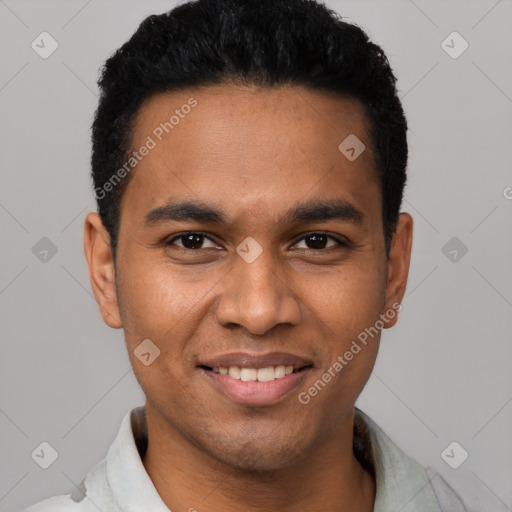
(195, 241)
(319, 241)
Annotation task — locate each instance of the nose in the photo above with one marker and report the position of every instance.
(256, 297)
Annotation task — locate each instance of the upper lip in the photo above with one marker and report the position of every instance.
(252, 360)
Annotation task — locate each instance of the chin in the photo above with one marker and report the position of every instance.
(256, 462)
(257, 455)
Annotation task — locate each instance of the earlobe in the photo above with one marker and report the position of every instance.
(101, 269)
(398, 265)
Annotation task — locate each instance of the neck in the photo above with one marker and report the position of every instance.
(328, 477)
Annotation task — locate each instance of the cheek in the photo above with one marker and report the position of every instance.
(153, 303)
(156, 307)
(151, 308)
(347, 311)
(169, 309)
(349, 301)
(350, 343)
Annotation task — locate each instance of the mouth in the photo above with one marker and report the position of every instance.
(267, 374)
(256, 380)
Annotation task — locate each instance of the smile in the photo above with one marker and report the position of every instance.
(255, 386)
(267, 374)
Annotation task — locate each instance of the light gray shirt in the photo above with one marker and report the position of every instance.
(120, 483)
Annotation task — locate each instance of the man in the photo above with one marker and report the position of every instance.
(249, 161)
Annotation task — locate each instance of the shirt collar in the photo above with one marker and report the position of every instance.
(131, 486)
(401, 483)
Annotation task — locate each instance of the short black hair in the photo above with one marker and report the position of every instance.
(267, 43)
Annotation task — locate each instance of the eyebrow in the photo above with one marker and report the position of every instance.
(309, 211)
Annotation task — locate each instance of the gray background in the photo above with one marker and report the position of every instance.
(444, 372)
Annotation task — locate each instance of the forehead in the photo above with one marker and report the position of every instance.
(250, 146)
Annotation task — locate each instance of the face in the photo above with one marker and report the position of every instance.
(249, 240)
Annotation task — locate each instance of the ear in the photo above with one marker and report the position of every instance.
(398, 266)
(101, 269)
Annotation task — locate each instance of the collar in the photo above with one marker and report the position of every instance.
(401, 483)
(131, 486)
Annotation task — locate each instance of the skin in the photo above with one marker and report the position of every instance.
(253, 153)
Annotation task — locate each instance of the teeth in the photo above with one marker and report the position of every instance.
(266, 374)
(248, 374)
(280, 372)
(255, 374)
(234, 372)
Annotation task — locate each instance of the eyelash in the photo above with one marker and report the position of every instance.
(340, 242)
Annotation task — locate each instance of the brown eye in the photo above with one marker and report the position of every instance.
(192, 241)
(320, 240)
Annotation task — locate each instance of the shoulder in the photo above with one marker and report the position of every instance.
(448, 499)
(92, 492)
(62, 503)
(401, 480)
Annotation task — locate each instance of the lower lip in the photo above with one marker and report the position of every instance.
(254, 392)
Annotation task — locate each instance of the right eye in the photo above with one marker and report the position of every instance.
(192, 240)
